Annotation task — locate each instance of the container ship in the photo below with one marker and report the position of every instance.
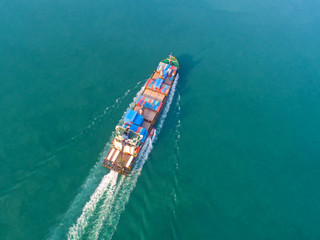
(139, 122)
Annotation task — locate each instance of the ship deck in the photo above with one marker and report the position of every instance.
(122, 162)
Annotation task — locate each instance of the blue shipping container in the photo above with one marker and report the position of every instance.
(138, 119)
(129, 117)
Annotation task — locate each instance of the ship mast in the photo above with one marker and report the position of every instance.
(170, 57)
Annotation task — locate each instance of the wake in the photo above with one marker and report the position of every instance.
(101, 214)
(106, 185)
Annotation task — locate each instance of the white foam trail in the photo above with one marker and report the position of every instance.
(108, 180)
(177, 152)
(103, 214)
(95, 175)
(178, 127)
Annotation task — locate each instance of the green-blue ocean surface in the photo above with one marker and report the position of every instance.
(235, 157)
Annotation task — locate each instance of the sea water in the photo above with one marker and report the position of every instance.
(237, 155)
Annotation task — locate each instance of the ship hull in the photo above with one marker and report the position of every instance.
(150, 105)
